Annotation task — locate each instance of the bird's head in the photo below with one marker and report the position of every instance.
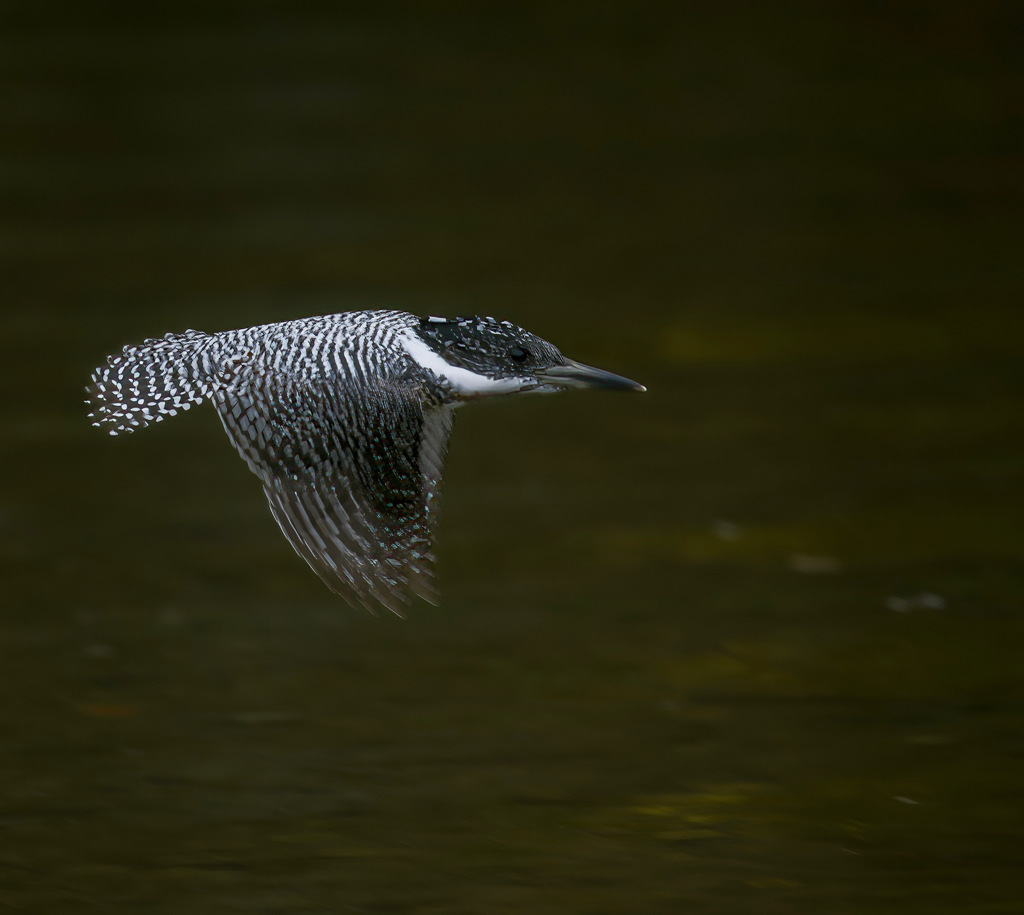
(480, 357)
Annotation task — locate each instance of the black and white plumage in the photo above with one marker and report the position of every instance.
(345, 419)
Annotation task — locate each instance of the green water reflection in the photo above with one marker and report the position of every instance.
(749, 643)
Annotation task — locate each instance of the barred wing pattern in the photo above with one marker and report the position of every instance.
(350, 479)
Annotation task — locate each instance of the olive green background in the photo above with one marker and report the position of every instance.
(749, 643)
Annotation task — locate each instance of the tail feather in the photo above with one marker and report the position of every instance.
(149, 382)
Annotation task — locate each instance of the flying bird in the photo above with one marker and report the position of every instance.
(345, 419)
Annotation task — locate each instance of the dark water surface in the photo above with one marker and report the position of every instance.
(750, 643)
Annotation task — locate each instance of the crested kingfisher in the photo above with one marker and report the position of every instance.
(345, 419)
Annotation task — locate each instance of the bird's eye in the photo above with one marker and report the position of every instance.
(518, 354)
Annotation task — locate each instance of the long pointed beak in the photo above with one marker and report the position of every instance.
(578, 375)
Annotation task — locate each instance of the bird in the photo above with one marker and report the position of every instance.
(345, 420)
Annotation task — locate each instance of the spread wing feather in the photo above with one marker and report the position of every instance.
(352, 481)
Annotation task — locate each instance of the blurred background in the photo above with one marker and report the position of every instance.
(749, 643)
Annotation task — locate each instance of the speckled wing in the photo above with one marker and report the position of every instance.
(351, 473)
